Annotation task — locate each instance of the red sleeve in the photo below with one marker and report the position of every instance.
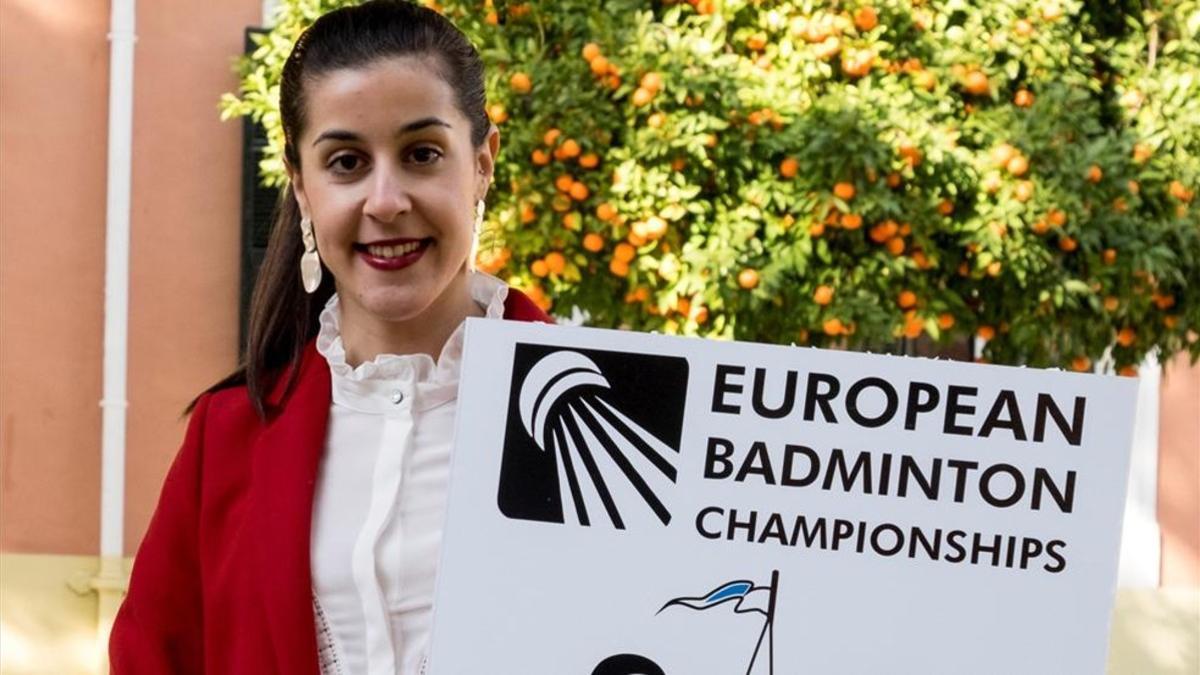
(159, 628)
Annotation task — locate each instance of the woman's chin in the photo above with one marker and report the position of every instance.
(394, 304)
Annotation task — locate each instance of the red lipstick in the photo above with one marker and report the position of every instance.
(393, 254)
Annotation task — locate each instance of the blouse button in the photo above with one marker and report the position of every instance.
(397, 396)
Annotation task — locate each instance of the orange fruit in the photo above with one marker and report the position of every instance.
(748, 278)
(590, 51)
(1170, 321)
(913, 326)
(866, 18)
(945, 207)
(651, 82)
(1056, 217)
(1128, 371)
(540, 157)
(1141, 152)
(756, 42)
(599, 66)
(893, 180)
(701, 314)
(560, 203)
(570, 221)
(1001, 154)
(895, 245)
(613, 81)
(551, 137)
(816, 229)
(945, 321)
(1023, 28)
(564, 182)
(624, 252)
(528, 215)
(555, 262)
(520, 83)
(642, 96)
(539, 268)
(1126, 337)
(1023, 192)
(1179, 191)
(789, 167)
(1018, 165)
(994, 268)
(823, 295)
(1023, 98)
(656, 120)
(497, 113)
(906, 300)
(844, 191)
(589, 161)
(569, 148)
(1040, 227)
(1081, 364)
(833, 327)
(579, 191)
(911, 154)
(883, 231)
(1164, 301)
(618, 267)
(1094, 173)
(985, 332)
(921, 260)
(976, 82)
(593, 242)
(851, 221)
(606, 212)
(1111, 303)
(1068, 244)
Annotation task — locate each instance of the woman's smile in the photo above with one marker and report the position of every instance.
(393, 254)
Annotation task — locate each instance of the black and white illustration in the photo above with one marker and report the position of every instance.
(592, 437)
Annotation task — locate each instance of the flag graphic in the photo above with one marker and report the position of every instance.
(747, 599)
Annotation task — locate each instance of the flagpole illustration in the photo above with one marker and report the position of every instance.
(746, 598)
(768, 630)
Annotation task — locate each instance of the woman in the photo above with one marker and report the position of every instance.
(299, 527)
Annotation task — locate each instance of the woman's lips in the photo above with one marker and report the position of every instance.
(393, 254)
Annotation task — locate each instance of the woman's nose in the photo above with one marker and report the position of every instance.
(388, 196)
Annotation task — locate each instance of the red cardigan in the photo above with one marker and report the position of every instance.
(222, 582)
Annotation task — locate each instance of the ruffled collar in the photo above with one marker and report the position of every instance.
(375, 385)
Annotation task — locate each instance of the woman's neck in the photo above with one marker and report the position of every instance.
(366, 336)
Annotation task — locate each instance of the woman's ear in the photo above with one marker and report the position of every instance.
(297, 181)
(485, 160)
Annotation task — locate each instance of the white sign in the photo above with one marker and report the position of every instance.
(623, 503)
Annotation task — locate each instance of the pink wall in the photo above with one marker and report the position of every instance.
(184, 252)
(1179, 473)
(54, 113)
(186, 229)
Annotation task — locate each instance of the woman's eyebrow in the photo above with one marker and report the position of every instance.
(345, 135)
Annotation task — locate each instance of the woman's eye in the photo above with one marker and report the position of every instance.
(345, 163)
(425, 155)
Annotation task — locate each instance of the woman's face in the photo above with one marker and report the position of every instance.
(389, 178)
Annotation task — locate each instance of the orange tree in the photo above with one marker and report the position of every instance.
(839, 173)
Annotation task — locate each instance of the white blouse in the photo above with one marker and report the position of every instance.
(381, 498)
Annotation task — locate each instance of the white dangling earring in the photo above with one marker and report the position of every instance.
(479, 207)
(310, 262)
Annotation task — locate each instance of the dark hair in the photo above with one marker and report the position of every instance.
(283, 318)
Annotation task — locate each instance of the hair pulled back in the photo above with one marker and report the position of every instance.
(283, 318)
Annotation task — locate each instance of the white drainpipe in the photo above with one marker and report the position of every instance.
(110, 583)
